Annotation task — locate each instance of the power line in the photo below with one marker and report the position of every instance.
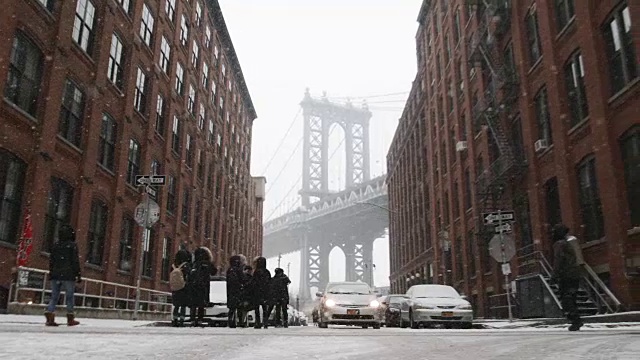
(284, 137)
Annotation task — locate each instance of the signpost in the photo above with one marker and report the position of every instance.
(502, 247)
(146, 214)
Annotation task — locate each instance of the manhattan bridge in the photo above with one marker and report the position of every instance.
(351, 218)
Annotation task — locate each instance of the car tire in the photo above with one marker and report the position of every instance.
(401, 322)
(414, 325)
(467, 325)
(365, 326)
(377, 326)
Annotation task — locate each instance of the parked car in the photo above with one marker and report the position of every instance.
(435, 304)
(391, 306)
(216, 314)
(348, 303)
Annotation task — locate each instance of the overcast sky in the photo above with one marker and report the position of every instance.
(348, 48)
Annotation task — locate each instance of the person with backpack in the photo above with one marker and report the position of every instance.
(280, 297)
(201, 272)
(64, 272)
(260, 292)
(179, 285)
(567, 273)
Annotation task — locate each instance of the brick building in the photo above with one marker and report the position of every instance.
(96, 92)
(524, 105)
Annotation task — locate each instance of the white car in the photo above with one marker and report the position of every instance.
(435, 304)
(217, 313)
(348, 303)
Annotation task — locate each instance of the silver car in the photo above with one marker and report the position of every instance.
(435, 304)
(348, 303)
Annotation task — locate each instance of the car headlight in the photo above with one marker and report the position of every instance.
(330, 303)
(394, 310)
(374, 304)
(464, 307)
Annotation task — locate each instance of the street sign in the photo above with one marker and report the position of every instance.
(151, 191)
(495, 247)
(140, 213)
(506, 269)
(151, 180)
(504, 228)
(494, 217)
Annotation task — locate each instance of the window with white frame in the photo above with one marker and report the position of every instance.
(565, 12)
(191, 104)
(207, 37)
(184, 31)
(211, 132)
(25, 74)
(195, 54)
(160, 116)
(48, 4)
(175, 135)
(205, 74)
(146, 25)
(83, 33)
(198, 14)
(115, 72)
(576, 89)
(71, 113)
(533, 37)
(201, 117)
(170, 9)
(542, 115)
(126, 5)
(139, 96)
(165, 55)
(620, 48)
(179, 79)
(216, 51)
(190, 149)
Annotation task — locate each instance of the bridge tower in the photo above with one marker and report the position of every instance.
(319, 115)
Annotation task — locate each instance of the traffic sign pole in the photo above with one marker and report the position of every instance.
(145, 239)
(504, 261)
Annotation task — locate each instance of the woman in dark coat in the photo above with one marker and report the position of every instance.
(280, 296)
(200, 279)
(181, 298)
(234, 289)
(260, 291)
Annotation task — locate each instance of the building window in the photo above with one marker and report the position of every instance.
(190, 144)
(165, 55)
(205, 75)
(471, 254)
(48, 4)
(623, 64)
(552, 203)
(533, 37)
(201, 116)
(167, 250)
(126, 5)
(207, 37)
(58, 210)
(186, 204)
(198, 14)
(171, 194)
(184, 31)
(97, 232)
(133, 163)
(197, 215)
(565, 12)
(179, 79)
(71, 113)
(170, 9)
(574, 80)
(200, 162)
(211, 132)
(108, 134)
(12, 172)
(115, 72)
(147, 252)
(83, 25)
(456, 200)
(460, 80)
(191, 104)
(543, 117)
(195, 54)
(457, 26)
(631, 158)
(139, 96)
(146, 25)
(590, 205)
(160, 116)
(175, 135)
(25, 74)
(127, 234)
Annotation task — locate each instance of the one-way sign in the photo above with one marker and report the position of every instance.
(504, 228)
(151, 179)
(494, 217)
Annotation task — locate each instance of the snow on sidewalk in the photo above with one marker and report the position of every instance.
(10, 319)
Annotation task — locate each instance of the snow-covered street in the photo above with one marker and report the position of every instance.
(25, 337)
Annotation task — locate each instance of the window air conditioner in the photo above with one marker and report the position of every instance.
(461, 146)
(541, 145)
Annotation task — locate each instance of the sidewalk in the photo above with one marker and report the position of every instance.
(11, 319)
(629, 319)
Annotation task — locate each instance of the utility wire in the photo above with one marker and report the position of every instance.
(371, 96)
(284, 137)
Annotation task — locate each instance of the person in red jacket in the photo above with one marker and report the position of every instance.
(64, 272)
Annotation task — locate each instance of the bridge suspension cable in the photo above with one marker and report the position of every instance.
(285, 166)
(284, 137)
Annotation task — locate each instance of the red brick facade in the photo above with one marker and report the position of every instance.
(592, 157)
(213, 202)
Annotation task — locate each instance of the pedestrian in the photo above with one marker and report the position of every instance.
(260, 292)
(64, 272)
(280, 297)
(202, 271)
(234, 289)
(567, 274)
(245, 291)
(180, 286)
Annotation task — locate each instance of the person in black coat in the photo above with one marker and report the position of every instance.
(64, 272)
(567, 273)
(202, 271)
(234, 289)
(280, 296)
(260, 292)
(182, 298)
